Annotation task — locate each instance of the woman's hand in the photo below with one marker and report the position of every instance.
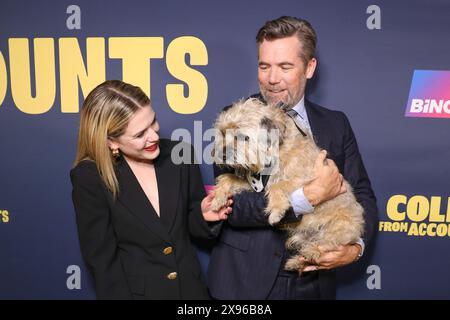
(210, 215)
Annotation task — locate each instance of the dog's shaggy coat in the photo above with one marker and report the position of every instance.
(244, 142)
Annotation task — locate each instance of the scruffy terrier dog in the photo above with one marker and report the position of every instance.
(258, 139)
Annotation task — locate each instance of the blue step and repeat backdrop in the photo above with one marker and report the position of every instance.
(386, 64)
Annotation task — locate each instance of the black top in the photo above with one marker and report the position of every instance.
(130, 251)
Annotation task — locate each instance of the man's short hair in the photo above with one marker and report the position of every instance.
(287, 26)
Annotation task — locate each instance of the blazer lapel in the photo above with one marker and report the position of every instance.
(316, 124)
(168, 177)
(322, 134)
(134, 199)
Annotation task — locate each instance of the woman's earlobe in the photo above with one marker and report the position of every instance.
(112, 144)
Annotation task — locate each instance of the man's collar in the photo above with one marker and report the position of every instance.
(300, 108)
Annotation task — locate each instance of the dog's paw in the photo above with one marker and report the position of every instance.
(277, 205)
(275, 217)
(311, 252)
(219, 201)
(294, 264)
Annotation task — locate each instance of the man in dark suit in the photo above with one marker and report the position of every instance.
(247, 262)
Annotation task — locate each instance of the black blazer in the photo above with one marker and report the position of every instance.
(246, 261)
(130, 251)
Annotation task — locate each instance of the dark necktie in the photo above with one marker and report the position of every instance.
(294, 114)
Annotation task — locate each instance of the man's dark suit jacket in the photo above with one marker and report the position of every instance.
(245, 262)
(123, 241)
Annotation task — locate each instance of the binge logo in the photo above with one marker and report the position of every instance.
(429, 96)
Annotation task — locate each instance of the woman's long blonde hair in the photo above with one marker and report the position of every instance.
(105, 114)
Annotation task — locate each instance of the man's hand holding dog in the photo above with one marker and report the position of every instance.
(327, 183)
(333, 258)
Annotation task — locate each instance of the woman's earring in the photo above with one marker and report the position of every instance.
(115, 153)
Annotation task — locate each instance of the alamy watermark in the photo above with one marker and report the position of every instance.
(257, 150)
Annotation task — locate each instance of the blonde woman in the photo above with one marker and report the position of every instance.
(135, 208)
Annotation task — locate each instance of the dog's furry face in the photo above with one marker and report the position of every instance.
(248, 136)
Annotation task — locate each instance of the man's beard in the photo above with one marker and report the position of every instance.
(286, 100)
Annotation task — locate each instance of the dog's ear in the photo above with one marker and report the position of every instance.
(274, 122)
(269, 124)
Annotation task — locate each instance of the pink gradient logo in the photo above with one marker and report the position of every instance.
(208, 188)
(429, 96)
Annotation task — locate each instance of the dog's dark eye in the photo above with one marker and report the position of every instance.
(247, 138)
